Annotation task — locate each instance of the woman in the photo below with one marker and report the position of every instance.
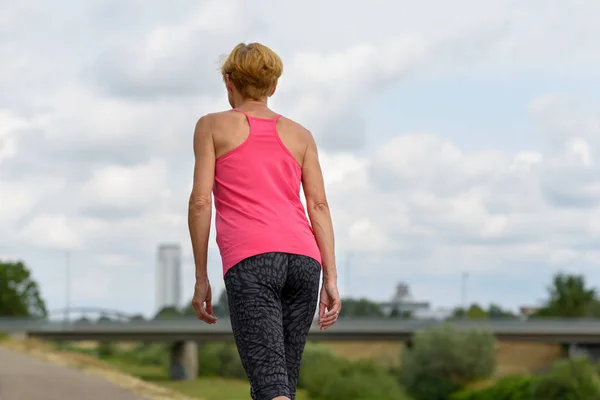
(253, 161)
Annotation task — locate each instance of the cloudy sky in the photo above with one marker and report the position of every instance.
(455, 137)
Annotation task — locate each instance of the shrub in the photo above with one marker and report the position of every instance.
(231, 364)
(363, 380)
(319, 365)
(443, 360)
(569, 380)
(208, 359)
(106, 349)
(220, 359)
(507, 388)
(328, 377)
(148, 354)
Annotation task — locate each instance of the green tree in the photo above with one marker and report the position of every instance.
(396, 313)
(104, 319)
(220, 307)
(476, 312)
(360, 308)
(458, 312)
(168, 312)
(569, 297)
(83, 321)
(138, 318)
(19, 293)
(188, 311)
(495, 311)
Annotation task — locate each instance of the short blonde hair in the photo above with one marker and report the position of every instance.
(254, 69)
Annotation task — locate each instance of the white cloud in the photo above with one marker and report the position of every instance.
(325, 90)
(8, 126)
(126, 188)
(16, 202)
(49, 230)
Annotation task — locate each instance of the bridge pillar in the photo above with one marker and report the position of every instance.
(591, 351)
(183, 361)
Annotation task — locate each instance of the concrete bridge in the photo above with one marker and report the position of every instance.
(178, 329)
(185, 333)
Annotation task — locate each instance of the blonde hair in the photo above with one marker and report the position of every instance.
(254, 69)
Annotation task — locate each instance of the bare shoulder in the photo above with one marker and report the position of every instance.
(297, 128)
(213, 122)
(212, 119)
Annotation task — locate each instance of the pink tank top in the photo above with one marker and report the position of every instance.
(257, 199)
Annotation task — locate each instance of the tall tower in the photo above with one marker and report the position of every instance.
(168, 276)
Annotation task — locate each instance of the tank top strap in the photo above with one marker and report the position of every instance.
(261, 126)
(248, 118)
(242, 112)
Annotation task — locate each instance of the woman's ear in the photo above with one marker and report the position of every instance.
(228, 83)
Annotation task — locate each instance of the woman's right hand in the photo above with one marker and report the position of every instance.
(330, 305)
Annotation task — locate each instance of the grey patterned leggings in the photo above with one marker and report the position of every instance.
(272, 302)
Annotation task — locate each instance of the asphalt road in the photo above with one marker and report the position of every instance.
(24, 378)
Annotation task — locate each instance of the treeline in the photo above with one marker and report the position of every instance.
(569, 296)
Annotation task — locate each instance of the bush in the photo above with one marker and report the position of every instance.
(443, 360)
(362, 380)
(508, 388)
(148, 354)
(319, 365)
(231, 364)
(568, 380)
(220, 359)
(106, 349)
(208, 359)
(323, 375)
(328, 377)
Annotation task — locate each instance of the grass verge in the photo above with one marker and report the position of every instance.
(207, 388)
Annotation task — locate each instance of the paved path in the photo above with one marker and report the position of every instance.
(24, 378)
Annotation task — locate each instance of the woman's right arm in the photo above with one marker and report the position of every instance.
(318, 209)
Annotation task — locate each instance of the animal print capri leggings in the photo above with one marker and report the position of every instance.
(272, 302)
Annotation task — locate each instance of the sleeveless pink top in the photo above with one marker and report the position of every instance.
(257, 199)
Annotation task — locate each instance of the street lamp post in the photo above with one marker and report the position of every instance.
(465, 275)
(347, 279)
(67, 284)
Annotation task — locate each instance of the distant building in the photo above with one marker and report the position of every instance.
(527, 311)
(168, 276)
(403, 302)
